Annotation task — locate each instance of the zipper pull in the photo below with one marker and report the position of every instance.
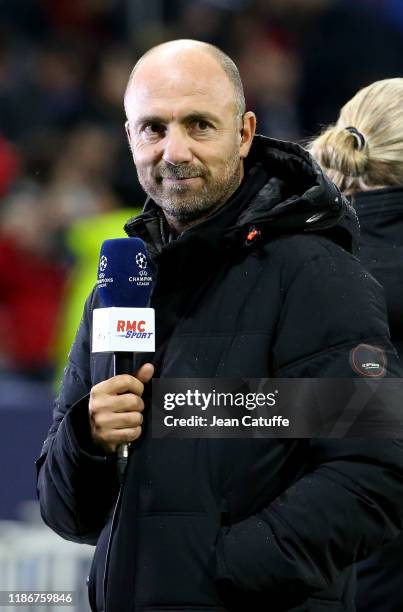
(253, 235)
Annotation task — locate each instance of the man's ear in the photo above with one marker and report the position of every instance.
(127, 129)
(248, 130)
(128, 134)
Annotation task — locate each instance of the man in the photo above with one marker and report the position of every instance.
(254, 279)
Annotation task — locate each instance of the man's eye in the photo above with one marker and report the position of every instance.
(202, 125)
(153, 128)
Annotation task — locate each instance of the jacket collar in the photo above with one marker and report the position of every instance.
(284, 191)
(380, 212)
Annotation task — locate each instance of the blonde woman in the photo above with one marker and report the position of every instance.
(363, 154)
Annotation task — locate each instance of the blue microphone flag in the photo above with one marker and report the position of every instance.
(124, 273)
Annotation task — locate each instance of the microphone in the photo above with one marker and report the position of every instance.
(124, 324)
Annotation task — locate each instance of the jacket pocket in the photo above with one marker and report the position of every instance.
(327, 605)
(96, 575)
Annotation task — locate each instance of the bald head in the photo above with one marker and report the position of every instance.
(193, 52)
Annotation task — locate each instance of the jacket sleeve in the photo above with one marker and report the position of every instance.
(76, 484)
(351, 500)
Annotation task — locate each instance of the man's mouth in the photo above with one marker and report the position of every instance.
(177, 179)
(179, 174)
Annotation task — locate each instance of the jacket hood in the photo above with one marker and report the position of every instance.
(284, 191)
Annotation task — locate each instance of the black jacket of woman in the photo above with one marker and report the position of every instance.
(380, 212)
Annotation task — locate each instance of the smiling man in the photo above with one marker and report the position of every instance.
(188, 129)
(255, 279)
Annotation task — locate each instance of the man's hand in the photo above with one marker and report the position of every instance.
(115, 409)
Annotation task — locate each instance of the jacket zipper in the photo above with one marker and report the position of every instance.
(111, 533)
(109, 544)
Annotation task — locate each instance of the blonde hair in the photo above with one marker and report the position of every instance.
(357, 164)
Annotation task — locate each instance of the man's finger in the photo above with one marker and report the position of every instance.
(126, 402)
(145, 373)
(122, 383)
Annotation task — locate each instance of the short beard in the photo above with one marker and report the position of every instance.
(189, 208)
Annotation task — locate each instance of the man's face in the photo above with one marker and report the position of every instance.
(185, 136)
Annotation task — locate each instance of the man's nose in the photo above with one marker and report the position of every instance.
(177, 147)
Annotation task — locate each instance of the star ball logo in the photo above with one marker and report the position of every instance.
(142, 278)
(141, 261)
(103, 263)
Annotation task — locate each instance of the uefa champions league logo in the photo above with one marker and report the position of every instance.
(103, 263)
(102, 281)
(141, 261)
(142, 278)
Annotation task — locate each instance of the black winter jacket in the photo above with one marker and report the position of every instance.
(380, 212)
(251, 525)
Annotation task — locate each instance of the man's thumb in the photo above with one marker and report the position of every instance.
(145, 373)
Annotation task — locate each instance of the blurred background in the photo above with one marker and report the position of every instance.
(67, 182)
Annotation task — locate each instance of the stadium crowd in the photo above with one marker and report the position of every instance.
(65, 168)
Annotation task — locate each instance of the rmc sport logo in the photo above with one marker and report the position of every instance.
(132, 329)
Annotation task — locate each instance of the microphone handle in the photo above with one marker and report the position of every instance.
(122, 364)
